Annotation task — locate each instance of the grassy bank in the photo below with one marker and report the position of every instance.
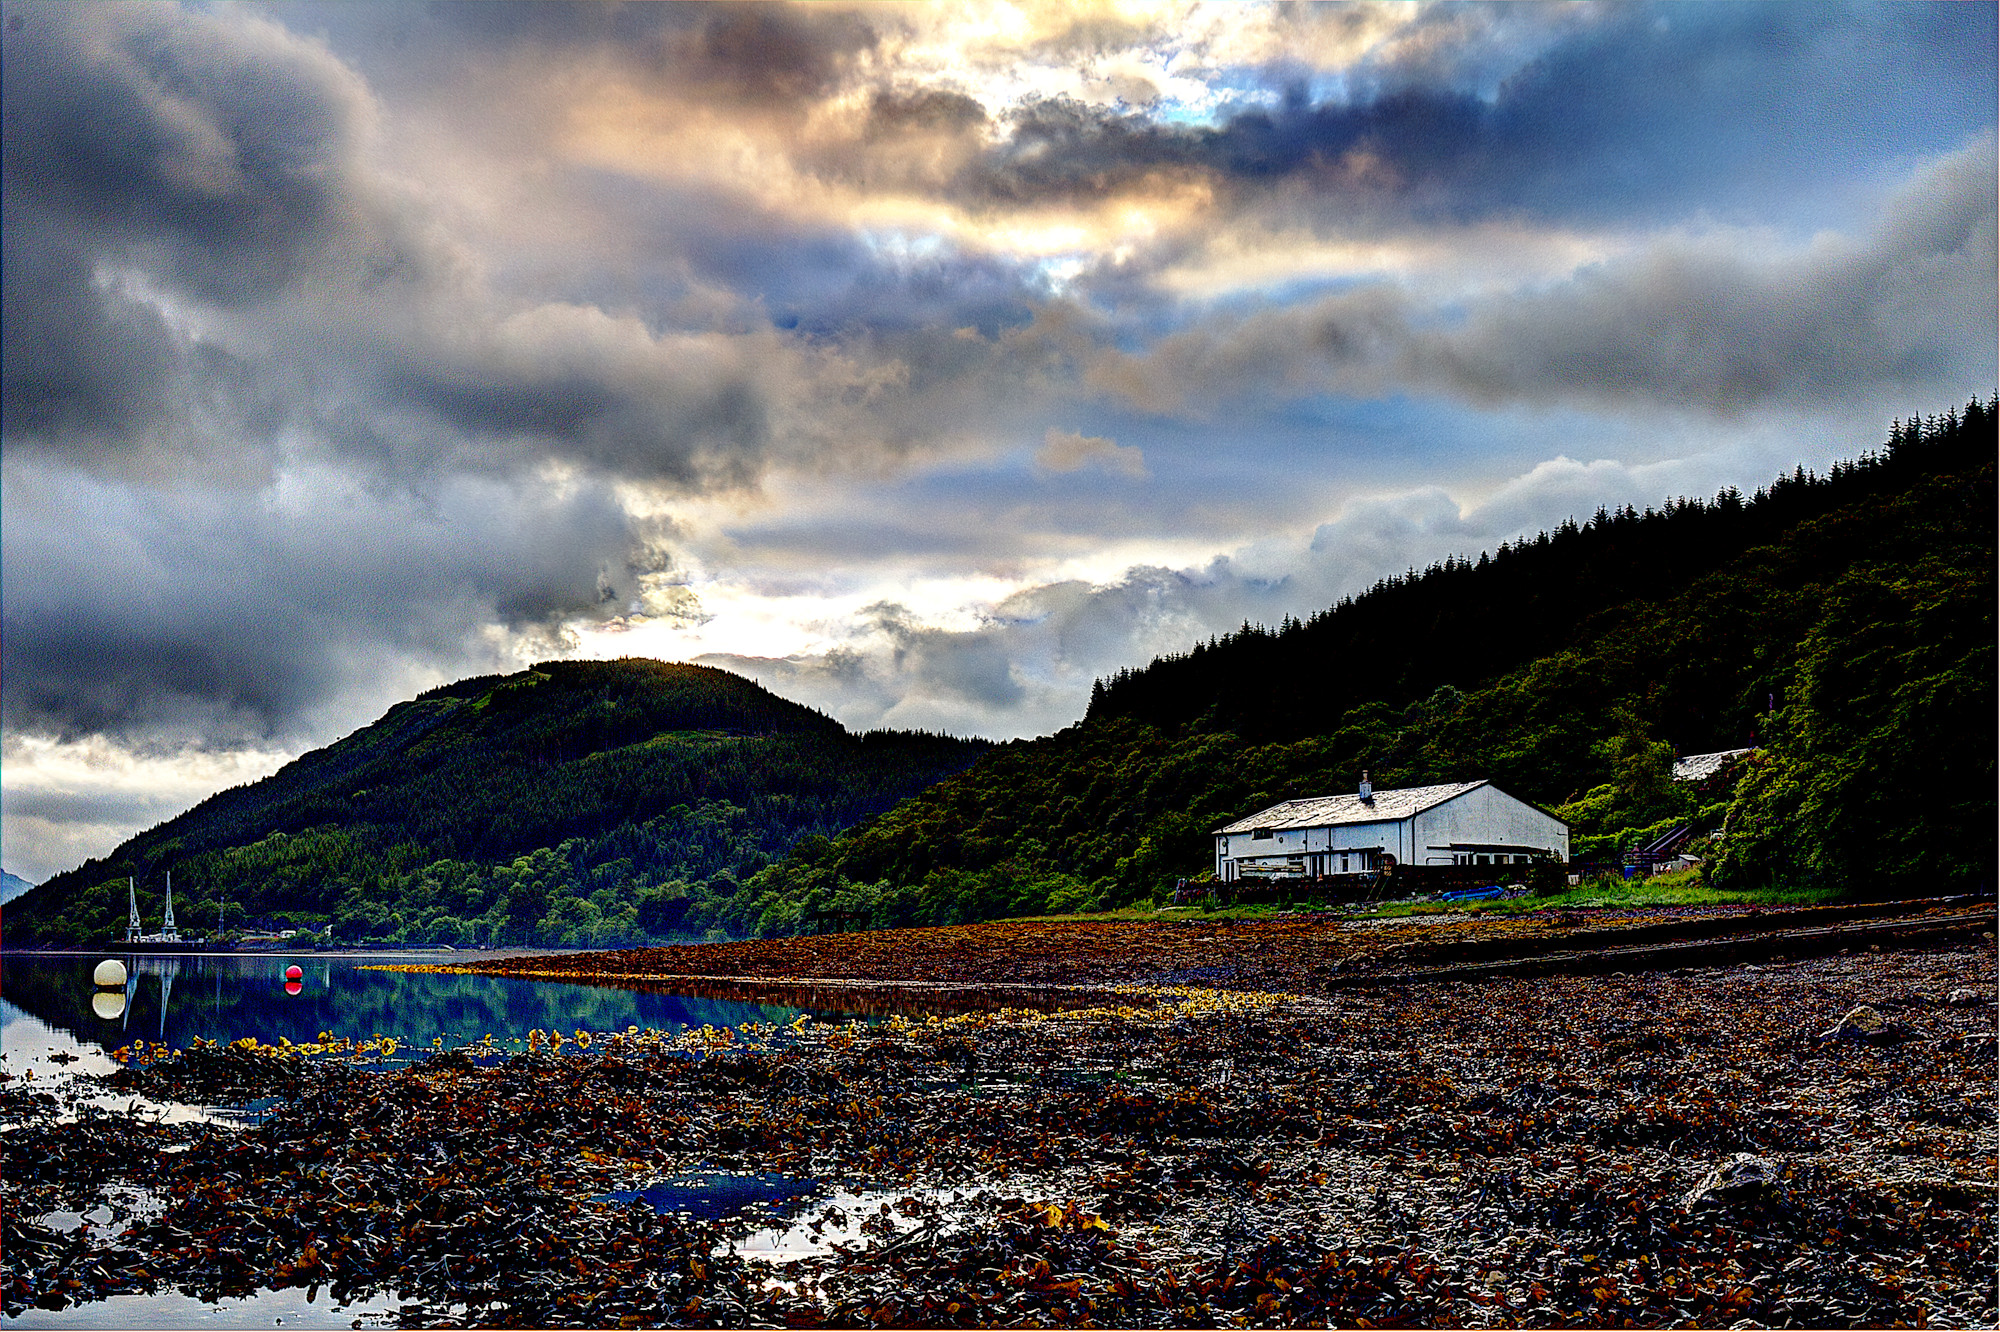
(1680, 889)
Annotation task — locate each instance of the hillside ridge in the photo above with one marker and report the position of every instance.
(1841, 624)
(626, 785)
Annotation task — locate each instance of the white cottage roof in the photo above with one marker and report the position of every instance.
(1701, 767)
(1331, 811)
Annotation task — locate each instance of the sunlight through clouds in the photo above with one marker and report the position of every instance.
(925, 362)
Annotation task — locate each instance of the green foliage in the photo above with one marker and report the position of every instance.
(1681, 888)
(1668, 631)
(578, 803)
(1880, 778)
(598, 803)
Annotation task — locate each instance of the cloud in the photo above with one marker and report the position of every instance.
(210, 260)
(66, 802)
(1025, 665)
(445, 337)
(1068, 451)
(1701, 322)
(222, 618)
(1638, 108)
(212, 158)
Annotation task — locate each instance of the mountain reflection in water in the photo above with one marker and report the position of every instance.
(224, 997)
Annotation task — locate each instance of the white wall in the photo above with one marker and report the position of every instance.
(1390, 835)
(1485, 815)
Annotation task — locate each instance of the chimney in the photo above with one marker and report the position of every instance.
(1367, 791)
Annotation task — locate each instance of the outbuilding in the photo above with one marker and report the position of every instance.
(1458, 823)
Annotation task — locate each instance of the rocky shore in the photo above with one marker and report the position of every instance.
(1729, 1146)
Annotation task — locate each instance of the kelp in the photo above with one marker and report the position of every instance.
(1513, 1152)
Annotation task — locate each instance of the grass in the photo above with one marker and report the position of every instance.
(1681, 888)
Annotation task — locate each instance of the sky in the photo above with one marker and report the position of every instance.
(923, 363)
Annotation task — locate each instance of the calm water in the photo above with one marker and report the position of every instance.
(48, 1001)
(56, 1022)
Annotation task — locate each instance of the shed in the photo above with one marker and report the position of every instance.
(1457, 823)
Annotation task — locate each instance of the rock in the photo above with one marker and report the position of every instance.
(1863, 1023)
(1742, 1176)
(1964, 998)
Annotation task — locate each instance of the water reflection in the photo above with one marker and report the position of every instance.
(712, 1195)
(224, 997)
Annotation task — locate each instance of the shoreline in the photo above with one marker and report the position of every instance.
(1513, 1150)
(1316, 954)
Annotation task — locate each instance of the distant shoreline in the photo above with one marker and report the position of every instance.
(120, 949)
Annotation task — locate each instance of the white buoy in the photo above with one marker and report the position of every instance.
(110, 973)
(108, 1004)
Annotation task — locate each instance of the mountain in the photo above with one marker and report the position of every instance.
(12, 886)
(1843, 624)
(583, 802)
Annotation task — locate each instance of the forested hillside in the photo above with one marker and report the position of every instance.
(1842, 623)
(577, 802)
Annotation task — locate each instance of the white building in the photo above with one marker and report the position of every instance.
(1460, 823)
(1700, 769)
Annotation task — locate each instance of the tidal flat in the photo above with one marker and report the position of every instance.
(1705, 1146)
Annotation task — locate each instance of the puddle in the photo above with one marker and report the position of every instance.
(124, 1205)
(711, 1197)
(847, 1219)
(36, 1057)
(808, 1221)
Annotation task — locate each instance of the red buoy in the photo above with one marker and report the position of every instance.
(294, 972)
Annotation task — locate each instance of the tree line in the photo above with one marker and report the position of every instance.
(1840, 624)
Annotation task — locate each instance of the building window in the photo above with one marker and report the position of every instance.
(1261, 834)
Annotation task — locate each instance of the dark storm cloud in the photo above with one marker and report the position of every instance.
(1912, 310)
(925, 111)
(92, 807)
(138, 145)
(511, 415)
(162, 161)
(972, 667)
(773, 53)
(78, 360)
(1678, 107)
(222, 163)
(751, 54)
(151, 616)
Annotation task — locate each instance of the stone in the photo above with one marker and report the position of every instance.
(1742, 1176)
(1965, 998)
(1863, 1023)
